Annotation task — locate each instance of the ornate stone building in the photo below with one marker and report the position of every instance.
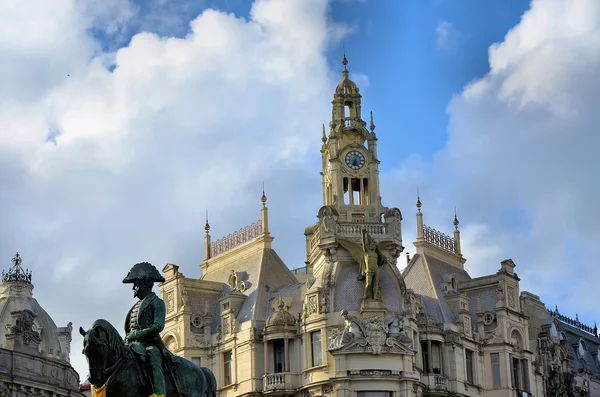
(34, 352)
(567, 351)
(349, 324)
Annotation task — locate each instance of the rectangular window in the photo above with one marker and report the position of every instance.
(425, 356)
(436, 357)
(495, 360)
(524, 376)
(197, 361)
(317, 352)
(278, 355)
(516, 373)
(469, 362)
(227, 379)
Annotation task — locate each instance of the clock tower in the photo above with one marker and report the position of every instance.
(350, 165)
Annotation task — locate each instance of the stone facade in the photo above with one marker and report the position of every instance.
(432, 330)
(34, 352)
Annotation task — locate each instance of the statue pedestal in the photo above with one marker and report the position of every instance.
(371, 306)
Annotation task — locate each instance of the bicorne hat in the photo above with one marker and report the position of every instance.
(143, 270)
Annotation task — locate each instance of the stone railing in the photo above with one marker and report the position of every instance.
(235, 239)
(438, 382)
(350, 122)
(280, 381)
(574, 322)
(439, 239)
(357, 228)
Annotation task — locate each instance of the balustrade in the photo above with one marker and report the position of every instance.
(279, 381)
(439, 239)
(235, 239)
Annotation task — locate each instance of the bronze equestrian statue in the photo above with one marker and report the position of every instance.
(141, 365)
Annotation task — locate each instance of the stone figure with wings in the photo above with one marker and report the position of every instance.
(369, 258)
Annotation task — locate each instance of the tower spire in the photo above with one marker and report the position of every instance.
(324, 137)
(207, 251)
(206, 224)
(457, 248)
(420, 233)
(264, 212)
(345, 62)
(372, 126)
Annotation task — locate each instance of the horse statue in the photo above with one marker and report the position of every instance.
(117, 371)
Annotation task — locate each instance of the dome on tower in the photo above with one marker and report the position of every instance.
(23, 321)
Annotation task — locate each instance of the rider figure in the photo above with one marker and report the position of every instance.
(146, 320)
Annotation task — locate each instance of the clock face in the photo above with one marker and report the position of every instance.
(355, 160)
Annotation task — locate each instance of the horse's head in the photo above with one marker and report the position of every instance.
(102, 347)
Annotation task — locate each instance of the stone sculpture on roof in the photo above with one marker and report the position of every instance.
(369, 258)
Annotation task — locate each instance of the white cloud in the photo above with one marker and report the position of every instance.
(521, 159)
(180, 126)
(447, 36)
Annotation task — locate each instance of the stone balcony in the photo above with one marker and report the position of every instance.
(436, 384)
(280, 382)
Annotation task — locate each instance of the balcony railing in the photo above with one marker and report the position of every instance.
(280, 381)
(437, 382)
(356, 228)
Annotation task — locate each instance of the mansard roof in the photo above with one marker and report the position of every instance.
(590, 361)
(264, 271)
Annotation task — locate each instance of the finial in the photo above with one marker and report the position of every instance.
(16, 272)
(418, 200)
(455, 220)
(324, 138)
(206, 225)
(372, 126)
(263, 198)
(556, 309)
(576, 317)
(280, 303)
(345, 62)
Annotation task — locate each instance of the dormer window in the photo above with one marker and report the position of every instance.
(453, 284)
(197, 321)
(581, 348)
(488, 318)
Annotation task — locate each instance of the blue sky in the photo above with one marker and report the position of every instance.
(125, 138)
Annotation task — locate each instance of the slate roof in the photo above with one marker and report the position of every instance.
(441, 274)
(590, 361)
(264, 271)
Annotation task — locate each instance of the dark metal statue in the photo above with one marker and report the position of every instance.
(141, 366)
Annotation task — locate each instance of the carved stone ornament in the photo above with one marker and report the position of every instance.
(235, 283)
(24, 327)
(311, 306)
(170, 301)
(510, 294)
(370, 334)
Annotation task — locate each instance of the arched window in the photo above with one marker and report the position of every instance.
(171, 344)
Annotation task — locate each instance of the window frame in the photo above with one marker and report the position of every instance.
(469, 359)
(316, 345)
(495, 368)
(227, 368)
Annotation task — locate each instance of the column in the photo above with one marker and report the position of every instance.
(429, 356)
(286, 352)
(266, 356)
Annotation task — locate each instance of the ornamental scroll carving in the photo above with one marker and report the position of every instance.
(510, 294)
(236, 283)
(24, 327)
(371, 333)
